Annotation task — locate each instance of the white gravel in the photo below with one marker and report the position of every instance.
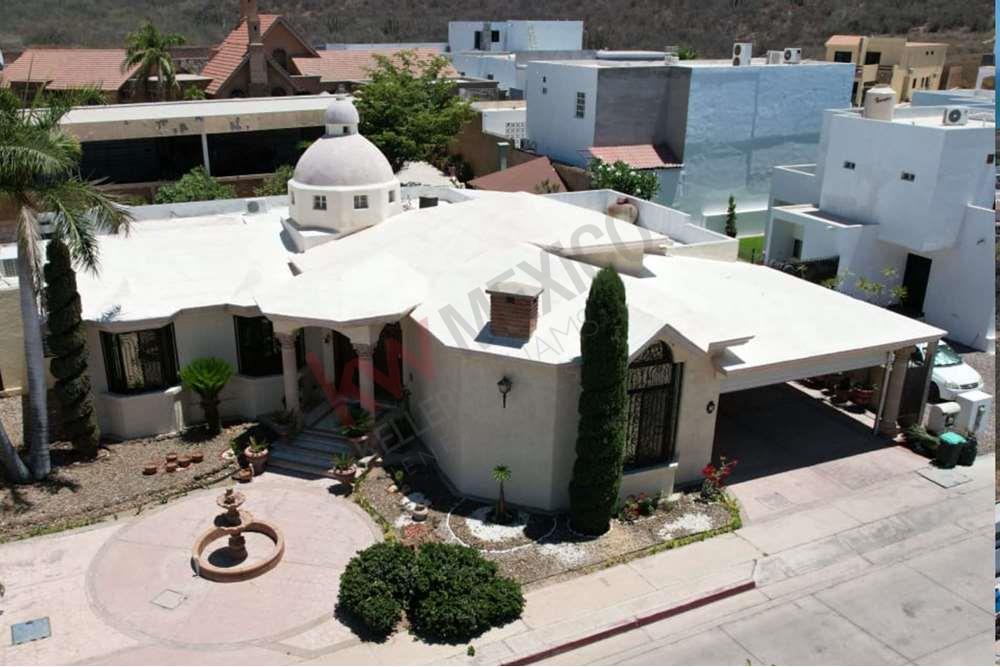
(567, 553)
(479, 525)
(688, 524)
(412, 499)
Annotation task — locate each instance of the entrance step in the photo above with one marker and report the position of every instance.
(308, 452)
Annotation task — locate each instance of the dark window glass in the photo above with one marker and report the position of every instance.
(841, 56)
(494, 36)
(873, 58)
(258, 352)
(849, 165)
(140, 361)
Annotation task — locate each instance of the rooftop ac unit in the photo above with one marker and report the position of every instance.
(793, 56)
(775, 57)
(741, 53)
(955, 116)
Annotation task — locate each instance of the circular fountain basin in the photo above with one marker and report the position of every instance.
(242, 571)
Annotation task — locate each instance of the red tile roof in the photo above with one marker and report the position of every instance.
(524, 177)
(70, 69)
(637, 156)
(230, 53)
(354, 65)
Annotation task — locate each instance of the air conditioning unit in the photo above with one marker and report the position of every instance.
(256, 205)
(955, 116)
(741, 53)
(775, 57)
(793, 56)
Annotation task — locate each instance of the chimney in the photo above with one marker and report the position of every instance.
(258, 59)
(503, 148)
(513, 309)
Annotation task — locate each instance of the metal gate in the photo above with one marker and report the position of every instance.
(654, 382)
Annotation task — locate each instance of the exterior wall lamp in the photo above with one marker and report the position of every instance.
(504, 387)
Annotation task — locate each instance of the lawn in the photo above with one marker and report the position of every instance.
(752, 248)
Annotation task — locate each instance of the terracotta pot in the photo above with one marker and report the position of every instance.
(183, 461)
(171, 457)
(624, 210)
(243, 475)
(841, 396)
(197, 457)
(170, 466)
(256, 459)
(150, 468)
(862, 397)
(345, 477)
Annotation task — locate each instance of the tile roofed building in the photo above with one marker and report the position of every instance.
(525, 177)
(355, 65)
(637, 156)
(69, 69)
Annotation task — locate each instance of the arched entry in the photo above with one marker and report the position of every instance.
(387, 360)
(654, 389)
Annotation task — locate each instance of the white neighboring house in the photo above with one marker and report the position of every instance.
(908, 189)
(475, 287)
(708, 129)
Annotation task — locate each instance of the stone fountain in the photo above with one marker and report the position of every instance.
(232, 523)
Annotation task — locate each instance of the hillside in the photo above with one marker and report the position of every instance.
(710, 26)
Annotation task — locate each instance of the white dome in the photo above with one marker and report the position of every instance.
(341, 112)
(343, 161)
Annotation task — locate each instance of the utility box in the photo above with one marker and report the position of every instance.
(974, 407)
(942, 416)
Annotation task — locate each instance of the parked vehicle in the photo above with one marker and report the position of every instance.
(951, 375)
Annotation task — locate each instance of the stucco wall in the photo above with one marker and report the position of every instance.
(11, 336)
(552, 123)
(340, 214)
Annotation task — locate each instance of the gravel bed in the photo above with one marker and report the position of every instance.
(10, 415)
(78, 492)
(471, 524)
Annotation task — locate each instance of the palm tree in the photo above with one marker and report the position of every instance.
(501, 474)
(149, 49)
(39, 178)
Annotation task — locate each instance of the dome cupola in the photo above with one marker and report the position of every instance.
(341, 117)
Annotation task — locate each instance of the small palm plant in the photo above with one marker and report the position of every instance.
(501, 474)
(359, 424)
(207, 377)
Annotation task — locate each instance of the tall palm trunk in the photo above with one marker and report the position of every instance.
(35, 410)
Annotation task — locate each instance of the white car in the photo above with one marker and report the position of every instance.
(951, 375)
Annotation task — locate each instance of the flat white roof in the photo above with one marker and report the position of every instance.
(623, 62)
(194, 109)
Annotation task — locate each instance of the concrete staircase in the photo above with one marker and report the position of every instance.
(310, 452)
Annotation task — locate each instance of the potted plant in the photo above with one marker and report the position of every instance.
(256, 452)
(862, 393)
(356, 428)
(207, 377)
(842, 391)
(344, 469)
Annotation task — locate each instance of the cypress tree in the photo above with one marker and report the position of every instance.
(67, 340)
(600, 439)
(731, 218)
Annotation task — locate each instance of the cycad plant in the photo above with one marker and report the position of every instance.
(207, 377)
(501, 474)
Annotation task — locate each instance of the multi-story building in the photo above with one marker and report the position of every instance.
(708, 129)
(893, 61)
(900, 197)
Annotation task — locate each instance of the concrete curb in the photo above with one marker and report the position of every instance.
(636, 622)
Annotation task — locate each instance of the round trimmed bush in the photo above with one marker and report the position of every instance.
(457, 594)
(376, 586)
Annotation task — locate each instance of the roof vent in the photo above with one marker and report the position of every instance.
(513, 309)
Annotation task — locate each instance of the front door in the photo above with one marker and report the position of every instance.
(915, 277)
(654, 382)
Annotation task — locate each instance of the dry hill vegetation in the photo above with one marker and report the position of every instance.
(710, 26)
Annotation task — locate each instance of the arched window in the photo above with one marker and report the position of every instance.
(654, 389)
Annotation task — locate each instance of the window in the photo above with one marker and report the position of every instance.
(392, 196)
(8, 267)
(140, 361)
(258, 352)
(581, 104)
(360, 201)
(494, 36)
(319, 202)
(545, 91)
(489, 77)
(907, 176)
(545, 79)
(873, 58)
(849, 165)
(291, 197)
(347, 129)
(842, 57)
(797, 248)
(477, 40)
(990, 159)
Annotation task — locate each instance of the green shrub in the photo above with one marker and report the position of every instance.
(457, 594)
(207, 377)
(622, 178)
(376, 585)
(196, 185)
(276, 183)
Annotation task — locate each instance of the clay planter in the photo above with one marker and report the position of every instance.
(171, 457)
(183, 461)
(170, 466)
(150, 468)
(243, 475)
(345, 476)
(419, 513)
(624, 210)
(197, 457)
(256, 459)
(862, 397)
(841, 396)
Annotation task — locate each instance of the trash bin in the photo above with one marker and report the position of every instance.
(969, 452)
(949, 449)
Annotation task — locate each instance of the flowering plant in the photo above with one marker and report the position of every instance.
(638, 505)
(715, 477)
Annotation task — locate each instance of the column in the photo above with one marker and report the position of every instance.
(204, 153)
(366, 376)
(289, 370)
(894, 391)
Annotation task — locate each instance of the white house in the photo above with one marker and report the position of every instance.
(908, 190)
(449, 299)
(707, 128)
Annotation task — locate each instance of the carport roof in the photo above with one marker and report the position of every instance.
(794, 323)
